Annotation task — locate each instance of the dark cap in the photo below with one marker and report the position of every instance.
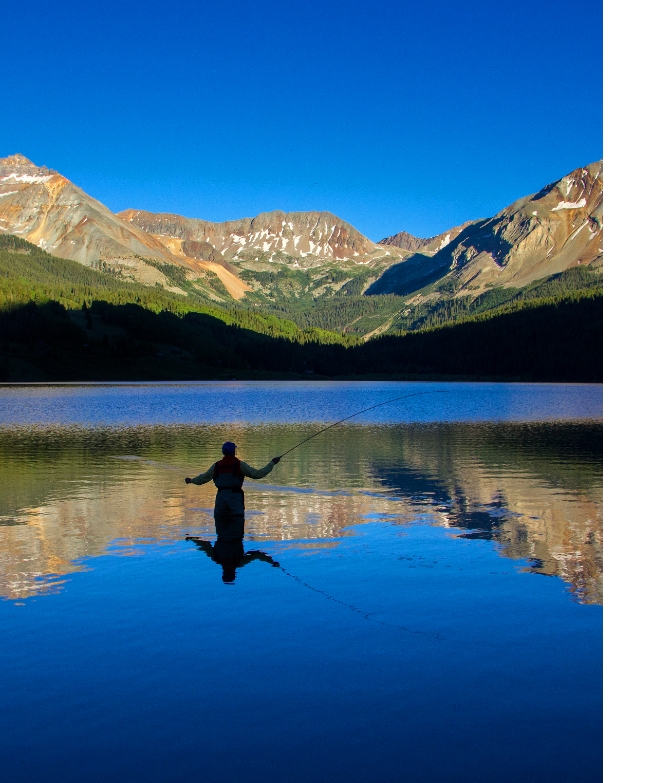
(228, 448)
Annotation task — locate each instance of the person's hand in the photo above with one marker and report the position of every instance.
(275, 460)
(188, 480)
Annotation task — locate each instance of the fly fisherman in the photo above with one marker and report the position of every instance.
(228, 475)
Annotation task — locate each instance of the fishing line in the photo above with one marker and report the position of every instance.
(358, 413)
(293, 448)
(365, 615)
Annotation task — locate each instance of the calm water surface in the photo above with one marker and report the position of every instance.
(420, 597)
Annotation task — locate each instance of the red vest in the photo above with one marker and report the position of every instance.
(230, 465)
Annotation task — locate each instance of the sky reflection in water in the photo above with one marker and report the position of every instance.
(388, 600)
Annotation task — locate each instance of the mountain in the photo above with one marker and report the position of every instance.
(308, 239)
(43, 207)
(314, 268)
(285, 259)
(544, 234)
(185, 255)
(428, 246)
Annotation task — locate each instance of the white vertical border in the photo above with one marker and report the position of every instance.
(624, 389)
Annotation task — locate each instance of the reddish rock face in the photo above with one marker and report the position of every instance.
(431, 245)
(202, 251)
(42, 206)
(315, 237)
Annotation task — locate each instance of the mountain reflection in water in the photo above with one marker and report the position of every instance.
(534, 489)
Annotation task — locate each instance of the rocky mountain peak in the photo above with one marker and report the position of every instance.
(427, 246)
(18, 168)
(43, 207)
(16, 160)
(404, 240)
(575, 191)
(558, 228)
(309, 237)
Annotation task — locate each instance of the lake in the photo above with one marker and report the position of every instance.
(420, 597)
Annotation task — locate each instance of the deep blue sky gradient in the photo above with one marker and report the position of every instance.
(396, 116)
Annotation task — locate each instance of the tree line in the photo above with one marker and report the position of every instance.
(539, 342)
(66, 321)
(28, 273)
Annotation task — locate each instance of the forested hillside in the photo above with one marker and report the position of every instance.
(351, 313)
(62, 321)
(29, 274)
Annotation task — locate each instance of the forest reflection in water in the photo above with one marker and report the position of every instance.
(74, 493)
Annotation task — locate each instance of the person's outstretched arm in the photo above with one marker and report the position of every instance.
(205, 546)
(203, 478)
(255, 554)
(254, 473)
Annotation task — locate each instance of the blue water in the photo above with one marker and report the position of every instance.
(420, 599)
(257, 402)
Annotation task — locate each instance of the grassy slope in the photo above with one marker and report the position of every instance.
(325, 297)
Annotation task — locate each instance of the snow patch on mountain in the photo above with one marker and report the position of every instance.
(570, 205)
(28, 178)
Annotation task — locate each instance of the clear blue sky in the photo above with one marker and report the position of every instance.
(394, 115)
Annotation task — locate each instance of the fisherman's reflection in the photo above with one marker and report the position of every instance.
(230, 555)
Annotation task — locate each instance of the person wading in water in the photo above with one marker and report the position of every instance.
(228, 475)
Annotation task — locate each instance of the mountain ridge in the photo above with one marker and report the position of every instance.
(536, 236)
(48, 210)
(307, 237)
(430, 246)
(43, 206)
(286, 261)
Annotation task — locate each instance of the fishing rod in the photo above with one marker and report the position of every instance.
(315, 435)
(378, 405)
